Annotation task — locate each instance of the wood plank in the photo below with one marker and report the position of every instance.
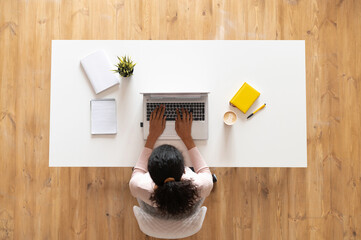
(8, 120)
(346, 124)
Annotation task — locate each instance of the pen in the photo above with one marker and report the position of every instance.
(256, 110)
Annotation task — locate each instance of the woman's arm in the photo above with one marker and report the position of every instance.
(140, 183)
(183, 127)
(156, 128)
(203, 177)
(142, 164)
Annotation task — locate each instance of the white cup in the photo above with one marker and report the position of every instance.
(229, 117)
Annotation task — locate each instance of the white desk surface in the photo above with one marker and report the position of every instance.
(274, 137)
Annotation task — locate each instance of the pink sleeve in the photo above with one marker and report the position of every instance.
(203, 178)
(197, 161)
(142, 164)
(140, 184)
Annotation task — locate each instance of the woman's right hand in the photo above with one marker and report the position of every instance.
(183, 127)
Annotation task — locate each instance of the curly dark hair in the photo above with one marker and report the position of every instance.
(173, 198)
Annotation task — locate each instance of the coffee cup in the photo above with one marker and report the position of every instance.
(229, 117)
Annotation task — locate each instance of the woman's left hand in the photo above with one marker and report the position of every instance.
(157, 122)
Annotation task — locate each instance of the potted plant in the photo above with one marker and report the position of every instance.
(125, 67)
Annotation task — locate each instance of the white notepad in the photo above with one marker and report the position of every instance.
(98, 69)
(103, 116)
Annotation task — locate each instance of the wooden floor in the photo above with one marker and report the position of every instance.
(320, 202)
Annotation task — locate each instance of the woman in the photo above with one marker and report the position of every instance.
(162, 184)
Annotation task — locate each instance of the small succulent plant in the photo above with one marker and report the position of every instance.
(125, 66)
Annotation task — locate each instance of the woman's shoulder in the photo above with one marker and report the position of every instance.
(198, 178)
(188, 173)
(142, 182)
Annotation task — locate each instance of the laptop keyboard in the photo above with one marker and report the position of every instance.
(196, 108)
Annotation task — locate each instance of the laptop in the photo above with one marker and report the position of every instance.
(196, 102)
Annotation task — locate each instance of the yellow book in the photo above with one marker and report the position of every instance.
(244, 98)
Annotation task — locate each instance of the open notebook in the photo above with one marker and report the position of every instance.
(103, 116)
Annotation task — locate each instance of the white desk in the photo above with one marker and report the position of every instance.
(274, 137)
